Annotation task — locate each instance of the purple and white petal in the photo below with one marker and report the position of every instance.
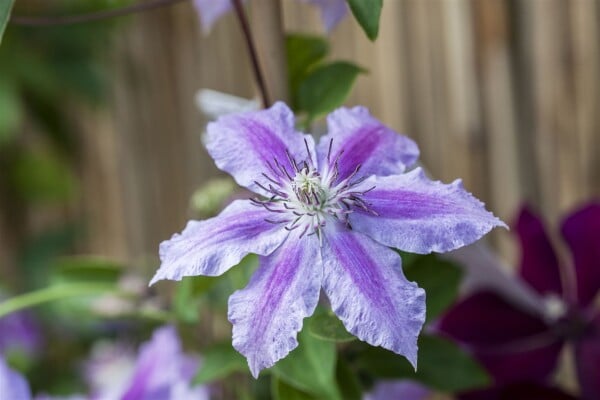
(332, 11)
(400, 389)
(369, 293)
(539, 264)
(161, 365)
(581, 230)
(267, 314)
(414, 214)
(251, 145)
(212, 246)
(12, 384)
(356, 138)
(210, 11)
(20, 331)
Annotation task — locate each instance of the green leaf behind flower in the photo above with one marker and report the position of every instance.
(310, 367)
(440, 279)
(367, 13)
(303, 53)
(326, 88)
(220, 361)
(5, 9)
(326, 325)
(442, 366)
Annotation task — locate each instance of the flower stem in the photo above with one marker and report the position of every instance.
(93, 16)
(258, 75)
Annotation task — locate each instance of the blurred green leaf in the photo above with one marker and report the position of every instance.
(326, 325)
(43, 177)
(367, 13)
(86, 269)
(51, 294)
(220, 361)
(208, 200)
(5, 9)
(440, 279)
(282, 391)
(303, 52)
(186, 301)
(442, 366)
(326, 88)
(11, 110)
(310, 367)
(348, 381)
(37, 256)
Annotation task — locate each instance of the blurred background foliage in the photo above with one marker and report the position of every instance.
(100, 160)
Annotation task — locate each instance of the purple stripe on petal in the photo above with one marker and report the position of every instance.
(267, 314)
(369, 293)
(539, 265)
(502, 336)
(358, 138)
(212, 246)
(581, 230)
(13, 385)
(418, 215)
(246, 145)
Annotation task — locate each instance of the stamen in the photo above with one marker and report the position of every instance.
(271, 179)
(354, 172)
(282, 168)
(291, 160)
(271, 221)
(307, 150)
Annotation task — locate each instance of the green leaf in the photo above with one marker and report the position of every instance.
(310, 367)
(43, 177)
(440, 279)
(5, 9)
(51, 294)
(86, 269)
(220, 361)
(188, 295)
(303, 52)
(348, 381)
(282, 391)
(208, 199)
(11, 110)
(327, 87)
(326, 326)
(367, 13)
(442, 365)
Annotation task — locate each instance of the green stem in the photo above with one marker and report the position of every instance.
(51, 294)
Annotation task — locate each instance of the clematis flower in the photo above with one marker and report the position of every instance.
(518, 391)
(332, 11)
(325, 217)
(161, 372)
(503, 335)
(12, 384)
(19, 332)
(399, 389)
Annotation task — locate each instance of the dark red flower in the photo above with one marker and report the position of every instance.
(519, 345)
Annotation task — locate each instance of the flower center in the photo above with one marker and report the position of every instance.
(304, 199)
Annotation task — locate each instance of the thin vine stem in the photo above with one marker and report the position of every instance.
(258, 75)
(89, 17)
